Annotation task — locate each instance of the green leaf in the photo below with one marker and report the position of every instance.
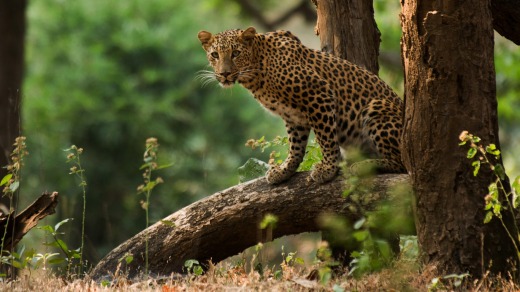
(17, 264)
(164, 166)
(56, 261)
(471, 153)
(269, 220)
(277, 274)
(476, 167)
(488, 217)
(47, 228)
(516, 188)
(6, 179)
(253, 168)
(360, 223)
(360, 235)
(299, 261)
(14, 186)
(493, 190)
(197, 270)
(62, 245)
(190, 263)
(129, 259)
(500, 171)
(496, 210)
(492, 149)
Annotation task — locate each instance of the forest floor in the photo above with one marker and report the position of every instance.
(401, 276)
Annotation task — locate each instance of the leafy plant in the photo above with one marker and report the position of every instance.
(74, 158)
(499, 198)
(325, 263)
(70, 255)
(26, 259)
(193, 266)
(11, 181)
(288, 260)
(255, 168)
(150, 165)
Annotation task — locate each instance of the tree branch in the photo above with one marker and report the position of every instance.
(226, 223)
(27, 219)
(506, 18)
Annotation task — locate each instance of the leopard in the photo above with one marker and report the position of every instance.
(344, 104)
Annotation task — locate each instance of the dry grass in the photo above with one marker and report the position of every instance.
(402, 276)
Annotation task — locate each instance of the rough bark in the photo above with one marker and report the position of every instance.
(18, 226)
(450, 87)
(226, 223)
(348, 30)
(12, 32)
(506, 18)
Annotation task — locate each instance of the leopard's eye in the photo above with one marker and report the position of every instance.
(214, 55)
(235, 53)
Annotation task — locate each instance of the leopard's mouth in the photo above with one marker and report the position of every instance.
(227, 83)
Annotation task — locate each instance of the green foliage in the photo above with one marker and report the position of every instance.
(253, 168)
(325, 263)
(11, 183)
(367, 238)
(280, 149)
(498, 199)
(74, 158)
(70, 257)
(150, 165)
(269, 221)
(26, 259)
(193, 267)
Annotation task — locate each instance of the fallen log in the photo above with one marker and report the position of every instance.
(226, 223)
(16, 228)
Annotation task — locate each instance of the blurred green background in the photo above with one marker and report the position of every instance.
(105, 75)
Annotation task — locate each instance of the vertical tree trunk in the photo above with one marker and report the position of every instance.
(12, 31)
(348, 30)
(450, 87)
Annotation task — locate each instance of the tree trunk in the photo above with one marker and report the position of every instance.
(12, 32)
(226, 223)
(348, 30)
(450, 87)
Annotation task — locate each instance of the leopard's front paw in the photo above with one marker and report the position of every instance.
(277, 174)
(324, 173)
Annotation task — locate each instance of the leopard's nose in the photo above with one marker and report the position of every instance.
(225, 74)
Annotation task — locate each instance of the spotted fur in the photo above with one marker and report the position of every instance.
(344, 104)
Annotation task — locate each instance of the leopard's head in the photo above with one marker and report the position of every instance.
(230, 53)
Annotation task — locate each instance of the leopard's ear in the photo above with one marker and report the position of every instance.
(205, 37)
(247, 35)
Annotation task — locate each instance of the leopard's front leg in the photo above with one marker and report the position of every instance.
(298, 137)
